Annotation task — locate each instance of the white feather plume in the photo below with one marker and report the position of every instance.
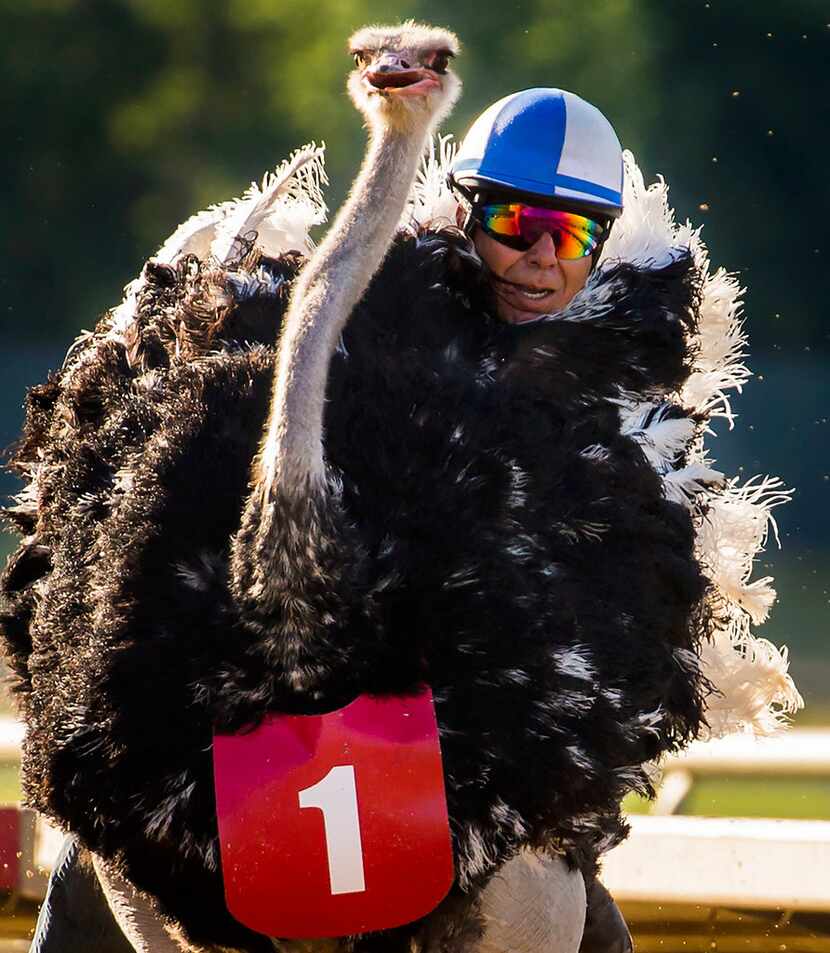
(646, 232)
(281, 210)
(662, 437)
(719, 365)
(732, 531)
(754, 690)
(122, 316)
(431, 201)
(686, 484)
(196, 235)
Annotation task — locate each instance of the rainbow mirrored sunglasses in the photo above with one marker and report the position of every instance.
(520, 226)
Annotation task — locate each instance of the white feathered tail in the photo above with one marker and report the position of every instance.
(732, 520)
(279, 213)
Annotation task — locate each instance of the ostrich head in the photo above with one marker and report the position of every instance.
(402, 76)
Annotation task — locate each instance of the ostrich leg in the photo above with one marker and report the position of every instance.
(533, 904)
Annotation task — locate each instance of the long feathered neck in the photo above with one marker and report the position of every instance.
(293, 554)
(333, 281)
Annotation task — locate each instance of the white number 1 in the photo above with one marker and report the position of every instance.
(336, 797)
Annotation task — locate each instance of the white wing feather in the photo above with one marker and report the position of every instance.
(281, 210)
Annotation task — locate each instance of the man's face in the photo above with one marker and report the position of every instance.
(533, 282)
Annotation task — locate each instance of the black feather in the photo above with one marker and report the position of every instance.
(477, 539)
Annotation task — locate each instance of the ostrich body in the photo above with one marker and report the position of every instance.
(271, 489)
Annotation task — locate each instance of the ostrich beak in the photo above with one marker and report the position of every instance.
(390, 73)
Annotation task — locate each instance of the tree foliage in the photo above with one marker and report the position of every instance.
(124, 116)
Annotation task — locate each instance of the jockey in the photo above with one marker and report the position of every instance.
(540, 177)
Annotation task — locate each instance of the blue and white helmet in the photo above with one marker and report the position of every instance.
(545, 143)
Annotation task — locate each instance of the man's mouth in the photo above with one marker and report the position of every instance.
(532, 295)
(526, 291)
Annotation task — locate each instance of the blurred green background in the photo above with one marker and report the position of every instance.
(122, 118)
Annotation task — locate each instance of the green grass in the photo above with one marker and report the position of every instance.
(792, 798)
(799, 799)
(9, 783)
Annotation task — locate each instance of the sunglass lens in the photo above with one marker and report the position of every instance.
(574, 236)
(520, 226)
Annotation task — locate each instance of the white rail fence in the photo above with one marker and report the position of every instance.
(729, 861)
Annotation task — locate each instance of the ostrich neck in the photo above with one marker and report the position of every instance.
(329, 287)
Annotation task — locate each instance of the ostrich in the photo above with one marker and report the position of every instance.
(261, 487)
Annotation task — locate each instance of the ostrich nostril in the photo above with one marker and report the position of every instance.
(404, 64)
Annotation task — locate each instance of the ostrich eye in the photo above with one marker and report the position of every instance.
(440, 62)
(360, 59)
